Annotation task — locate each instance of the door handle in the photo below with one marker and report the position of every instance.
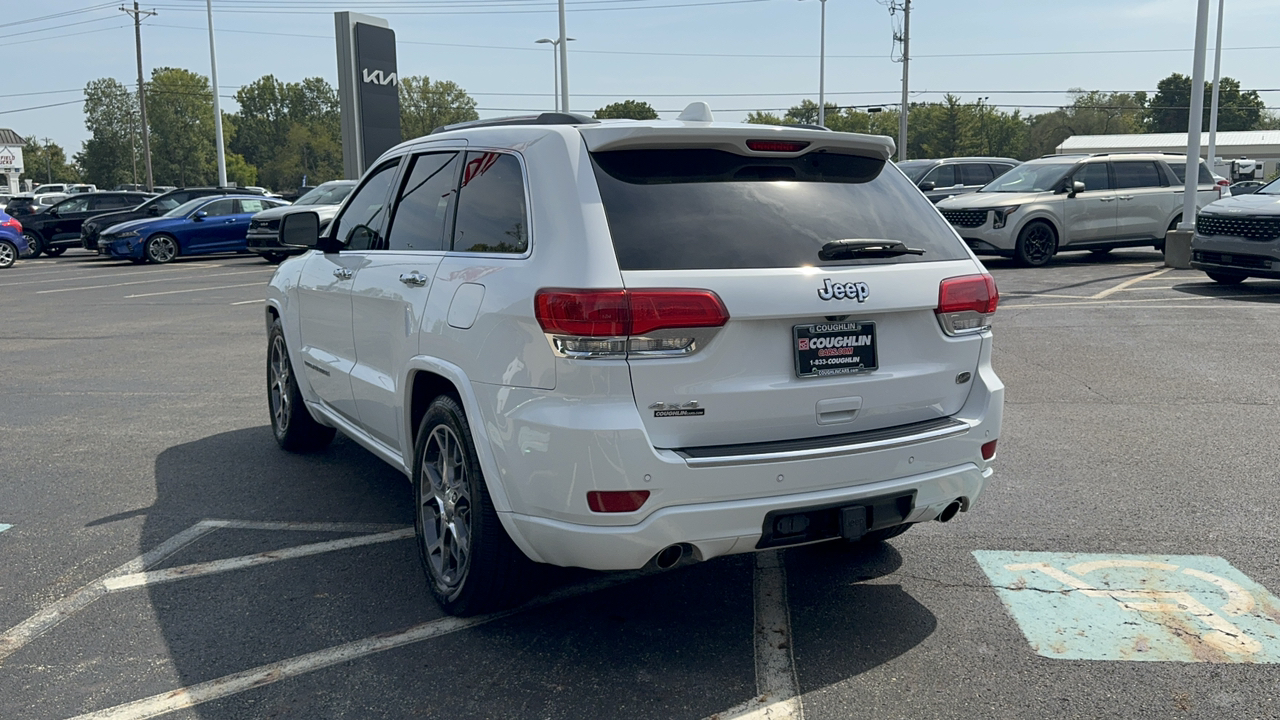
(1126, 197)
(1110, 199)
(343, 273)
(415, 279)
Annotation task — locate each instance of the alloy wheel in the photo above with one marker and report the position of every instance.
(1038, 243)
(8, 254)
(278, 385)
(161, 249)
(444, 499)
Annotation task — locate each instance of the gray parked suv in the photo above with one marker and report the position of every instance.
(941, 179)
(1239, 237)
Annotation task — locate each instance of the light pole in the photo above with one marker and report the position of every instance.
(217, 111)
(1213, 110)
(564, 63)
(1195, 119)
(822, 66)
(555, 67)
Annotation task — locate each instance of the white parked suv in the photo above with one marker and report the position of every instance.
(1075, 202)
(616, 344)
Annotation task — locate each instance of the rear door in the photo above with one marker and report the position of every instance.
(1142, 199)
(975, 175)
(208, 232)
(786, 363)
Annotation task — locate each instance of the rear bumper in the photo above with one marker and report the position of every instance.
(725, 528)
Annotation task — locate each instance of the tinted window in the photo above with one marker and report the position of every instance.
(326, 194)
(1136, 174)
(360, 227)
(425, 204)
(998, 170)
(915, 169)
(219, 208)
(110, 202)
(705, 209)
(73, 206)
(1094, 176)
(250, 205)
(491, 210)
(942, 176)
(975, 174)
(1180, 169)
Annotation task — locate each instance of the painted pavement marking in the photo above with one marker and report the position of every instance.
(191, 290)
(148, 281)
(4, 526)
(1131, 281)
(51, 615)
(1181, 608)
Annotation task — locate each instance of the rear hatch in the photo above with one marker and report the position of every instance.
(817, 342)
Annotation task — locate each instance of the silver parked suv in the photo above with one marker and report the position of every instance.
(948, 177)
(1239, 237)
(1074, 202)
(617, 344)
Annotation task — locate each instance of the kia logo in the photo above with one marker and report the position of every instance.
(377, 77)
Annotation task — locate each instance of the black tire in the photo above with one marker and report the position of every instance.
(8, 254)
(35, 244)
(291, 421)
(54, 251)
(479, 569)
(274, 258)
(161, 249)
(1226, 278)
(1037, 243)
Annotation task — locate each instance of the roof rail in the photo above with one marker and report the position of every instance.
(549, 118)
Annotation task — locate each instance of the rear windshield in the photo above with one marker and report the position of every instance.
(707, 209)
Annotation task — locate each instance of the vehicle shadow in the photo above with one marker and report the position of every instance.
(1251, 291)
(678, 644)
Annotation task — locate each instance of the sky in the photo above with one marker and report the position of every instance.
(737, 55)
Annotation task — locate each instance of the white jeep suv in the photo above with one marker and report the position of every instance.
(616, 344)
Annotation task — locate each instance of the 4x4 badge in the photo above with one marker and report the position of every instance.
(840, 291)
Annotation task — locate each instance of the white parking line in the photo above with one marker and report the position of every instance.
(292, 667)
(248, 302)
(1131, 281)
(4, 526)
(115, 273)
(1114, 303)
(144, 282)
(191, 290)
(155, 577)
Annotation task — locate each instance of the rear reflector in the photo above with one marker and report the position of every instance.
(966, 304)
(780, 146)
(615, 501)
(989, 450)
(619, 313)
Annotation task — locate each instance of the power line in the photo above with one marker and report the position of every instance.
(59, 37)
(300, 11)
(54, 16)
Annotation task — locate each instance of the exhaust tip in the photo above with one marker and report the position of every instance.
(949, 512)
(669, 557)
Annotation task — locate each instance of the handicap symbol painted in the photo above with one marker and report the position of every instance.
(1183, 608)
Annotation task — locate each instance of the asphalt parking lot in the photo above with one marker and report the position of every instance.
(163, 558)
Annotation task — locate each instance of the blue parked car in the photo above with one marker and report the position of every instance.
(205, 225)
(12, 244)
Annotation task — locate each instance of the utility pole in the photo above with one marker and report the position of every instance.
(1213, 110)
(48, 161)
(142, 88)
(217, 111)
(903, 37)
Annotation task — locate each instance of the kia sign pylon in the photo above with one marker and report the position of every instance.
(368, 89)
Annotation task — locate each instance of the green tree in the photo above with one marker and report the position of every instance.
(427, 105)
(308, 152)
(110, 156)
(627, 110)
(45, 162)
(269, 109)
(181, 120)
(763, 118)
(1171, 104)
(945, 129)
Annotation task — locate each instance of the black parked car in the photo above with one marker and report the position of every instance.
(154, 207)
(58, 228)
(941, 179)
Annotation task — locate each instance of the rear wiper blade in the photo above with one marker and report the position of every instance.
(843, 249)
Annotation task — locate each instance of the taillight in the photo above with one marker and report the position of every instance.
(779, 146)
(989, 450)
(12, 223)
(966, 304)
(615, 501)
(599, 323)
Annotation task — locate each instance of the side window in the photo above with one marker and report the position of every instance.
(74, 206)
(425, 205)
(360, 227)
(998, 170)
(219, 208)
(975, 174)
(251, 205)
(1094, 176)
(1136, 174)
(491, 207)
(1206, 177)
(942, 176)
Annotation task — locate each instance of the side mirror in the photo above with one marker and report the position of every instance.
(1071, 188)
(200, 216)
(300, 230)
(927, 185)
(53, 212)
(154, 210)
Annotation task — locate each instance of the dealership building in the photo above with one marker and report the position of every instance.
(10, 161)
(1257, 145)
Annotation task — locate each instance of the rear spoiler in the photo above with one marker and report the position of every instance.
(730, 137)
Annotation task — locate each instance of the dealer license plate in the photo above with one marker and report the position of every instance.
(837, 348)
